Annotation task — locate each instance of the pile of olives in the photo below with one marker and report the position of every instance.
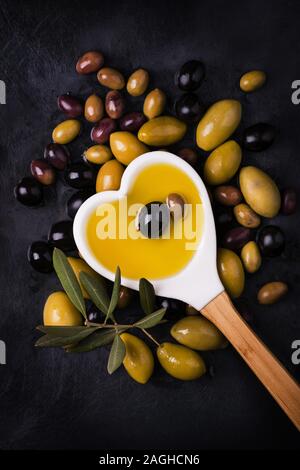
(243, 198)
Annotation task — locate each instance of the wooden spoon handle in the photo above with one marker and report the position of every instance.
(264, 364)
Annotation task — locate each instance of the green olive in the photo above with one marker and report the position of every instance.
(138, 361)
(109, 176)
(98, 154)
(66, 131)
(78, 266)
(138, 82)
(180, 362)
(272, 292)
(154, 103)
(163, 130)
(252, 80)
(126, 147)
(222, 163)
(59, 311)
(246, 216)
(218, 123)
(231, 272)
(197, 332)
(251, 257)
(260, 191)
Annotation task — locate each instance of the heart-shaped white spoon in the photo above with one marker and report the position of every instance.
(198, 283)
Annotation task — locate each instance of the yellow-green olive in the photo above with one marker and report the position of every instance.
(59, 311)
(138, 361)
(231, 272)
(218, 123)
(111, 78)
(126, 146)
(154, 103)
(252, 80)
(260, 191)
(246, 216)
(251, 257)
(78, 266)
(198, 333)
(138, 82)
(180, 362)
(66, 131)
(272, 292)
(98, 154)
(163, 130)
(93, 108)
(222, 163)
(109, 176)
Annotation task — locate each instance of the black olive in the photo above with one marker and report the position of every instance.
(40, 256)
(61, 235)
(259, 137)
(173, 306)
(57, 155)
(188, 108)
(153, 219)
(223, 218)
(79, 176)
(288, 201)
(94, 315)
(236, 238)
(29, 191)
(76, 200)
(190, 75)
(271, 241)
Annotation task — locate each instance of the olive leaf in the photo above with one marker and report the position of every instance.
(96, 289)
(115, 294)
(151, 320)
(147, 296)
(68, 280)
(49, 340)
(61, 331)
(117, 354)
(98, 339)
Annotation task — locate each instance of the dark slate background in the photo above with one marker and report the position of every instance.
(49, 400)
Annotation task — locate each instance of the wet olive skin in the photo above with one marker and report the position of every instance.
(61, 235)
(153, 219)
(246, 216)
(252, 81)
(251, 257)
(154, 103)
(59, 311)
(223, 163)
(132, 122)
(42, 172)
(94, 315)
(76, 200)
(138, 361)
(100, 132)
(114, 104)
(258, 137)
(70, 105)
(126, 147)
(98, 154)
(231, 272)
(93, 108)
(190, 76)
(111, 78)
(79, 176)
(189, 155)
(57, 155)
(138, 82)
(125, 296)
(66, 131)
(89, 62)
(288, 201)
(272, 292)
(271, 241)
(218, 124)
(29, 191)
(162, 130)
(188, 108)
(259, 191)
(228, 195)
(109, 176)
(180, 362)
(40, 257)
(196, 332)
(236, 238)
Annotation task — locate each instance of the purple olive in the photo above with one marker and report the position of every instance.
(76, 200)
(288, 201)
(40, 256)
(101, 132)
(189, 155)
(42, 172)
(236, 238)
(132, 122)
(114, 104)
(70, 105)
(57, 155)
(29, 191)
(61, 235)
(80, 176)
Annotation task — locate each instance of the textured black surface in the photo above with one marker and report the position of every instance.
(49, 399)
